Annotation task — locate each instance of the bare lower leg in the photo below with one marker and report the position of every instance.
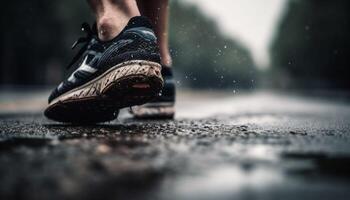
(157, 11)
(112, 16)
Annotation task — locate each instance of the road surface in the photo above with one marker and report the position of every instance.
(258, 145)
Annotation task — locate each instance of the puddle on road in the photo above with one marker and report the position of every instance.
(224, 180)
(28, 141)
(254, 170)
(256, 152)
(322, 165)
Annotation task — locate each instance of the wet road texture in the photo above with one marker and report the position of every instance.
(250, 146)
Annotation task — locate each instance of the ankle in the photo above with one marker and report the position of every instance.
(109, 27)
(166, 59)
(113, 16)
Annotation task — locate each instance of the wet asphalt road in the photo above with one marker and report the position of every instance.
(220, 146)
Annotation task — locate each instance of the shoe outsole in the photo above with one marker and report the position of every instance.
(99, 100)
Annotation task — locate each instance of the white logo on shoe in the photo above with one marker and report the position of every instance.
(83, 67)
(86, 67)
(148, 33)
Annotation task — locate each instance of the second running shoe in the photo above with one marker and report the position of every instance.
(120, 73)
(162, 107)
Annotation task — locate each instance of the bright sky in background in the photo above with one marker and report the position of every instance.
(252, 22)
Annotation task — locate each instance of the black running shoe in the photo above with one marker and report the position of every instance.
(162, 107)
(110, 75)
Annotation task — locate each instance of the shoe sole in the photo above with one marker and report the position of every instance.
(99, 99)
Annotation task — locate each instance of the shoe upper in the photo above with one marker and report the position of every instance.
(88, 57)
(136, 41)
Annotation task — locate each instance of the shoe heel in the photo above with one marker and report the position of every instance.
(135, 83)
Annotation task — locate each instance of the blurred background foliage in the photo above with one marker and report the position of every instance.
(204, 56)
(312, 45)
(310, 48)
(36, 37)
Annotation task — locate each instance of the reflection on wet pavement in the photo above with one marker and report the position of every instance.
(252, 146)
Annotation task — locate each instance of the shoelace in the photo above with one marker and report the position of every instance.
(85, 27)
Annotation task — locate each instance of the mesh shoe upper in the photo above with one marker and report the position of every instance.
(136, 41)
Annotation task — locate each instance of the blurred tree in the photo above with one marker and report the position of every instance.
(312, 44)
(203, 55)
